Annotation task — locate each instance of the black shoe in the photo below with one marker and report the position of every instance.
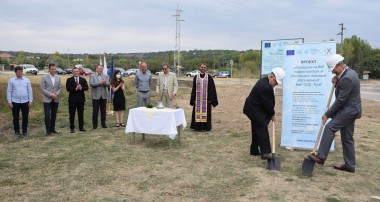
(17, 134)
(25, 134)
(104, 127)
(82, 129)
(266, 156)
(72, 131)
(344, 168)
(48, 133)
(256, 153)
(94, 128)
(54, 131)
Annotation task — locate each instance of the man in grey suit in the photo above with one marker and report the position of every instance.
(343, 113)
(167, 86)
(99, 83)
(51, 89)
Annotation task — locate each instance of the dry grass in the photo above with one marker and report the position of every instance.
(103, 165)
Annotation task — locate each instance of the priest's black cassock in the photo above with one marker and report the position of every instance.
(212, 100)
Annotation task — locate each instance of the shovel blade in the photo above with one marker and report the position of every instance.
(307, 166)
(274, 164)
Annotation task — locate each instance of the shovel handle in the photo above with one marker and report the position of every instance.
(322, 125)
(274, 139)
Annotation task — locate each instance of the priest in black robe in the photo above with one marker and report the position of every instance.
(203, 96)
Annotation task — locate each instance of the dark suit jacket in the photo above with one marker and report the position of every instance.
(347, 96)
(76, 96)
(259, 105)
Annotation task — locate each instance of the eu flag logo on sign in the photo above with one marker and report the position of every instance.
(289, 52)
(267, 45)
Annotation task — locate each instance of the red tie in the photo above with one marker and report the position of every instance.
(76, 80)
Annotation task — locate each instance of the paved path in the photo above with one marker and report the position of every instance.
(370, 92)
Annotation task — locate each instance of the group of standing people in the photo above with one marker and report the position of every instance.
(259, 105)
(20, 98)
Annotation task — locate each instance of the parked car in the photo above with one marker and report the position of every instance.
(68, 70)
(60, 71)
(123, 72)
(222, 74)
(85, 71)
(192, 73)
(132, 71)
(29, 69)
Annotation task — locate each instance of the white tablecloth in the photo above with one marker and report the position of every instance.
(155, 121)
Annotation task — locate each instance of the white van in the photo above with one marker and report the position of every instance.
(29, 69)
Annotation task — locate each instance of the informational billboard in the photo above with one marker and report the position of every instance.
(306, 89)
(272, 53)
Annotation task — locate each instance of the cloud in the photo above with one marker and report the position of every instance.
(146, 25)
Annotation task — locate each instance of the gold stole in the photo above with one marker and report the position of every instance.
(201, 98)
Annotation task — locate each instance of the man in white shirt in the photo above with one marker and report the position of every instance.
(51, 89)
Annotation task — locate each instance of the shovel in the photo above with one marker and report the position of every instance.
(308, 164)
(273, 163)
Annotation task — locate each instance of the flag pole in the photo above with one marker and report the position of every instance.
(105, 71)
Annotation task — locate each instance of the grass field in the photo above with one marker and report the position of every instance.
(103, 165)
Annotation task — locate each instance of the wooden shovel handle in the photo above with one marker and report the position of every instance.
(274, 139)
(321, 127)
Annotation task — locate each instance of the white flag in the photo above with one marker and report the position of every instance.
(105, 65)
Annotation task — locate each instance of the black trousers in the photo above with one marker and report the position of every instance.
(260, 138)
(16, 116)
(50, 110)
(73, 106)
(96, 106)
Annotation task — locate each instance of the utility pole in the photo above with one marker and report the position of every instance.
(177, 37)
(341, 37)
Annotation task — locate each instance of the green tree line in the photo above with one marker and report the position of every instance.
(358, 54)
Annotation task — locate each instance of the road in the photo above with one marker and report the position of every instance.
(370, 92)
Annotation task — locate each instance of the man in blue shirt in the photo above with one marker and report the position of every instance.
(20, 97)
(142, 83)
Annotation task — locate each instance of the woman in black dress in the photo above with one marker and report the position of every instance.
(117, 85)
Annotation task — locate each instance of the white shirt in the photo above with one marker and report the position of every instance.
(165, 81)
(52, 79)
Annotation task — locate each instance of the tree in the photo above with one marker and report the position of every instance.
(372, 64)
(357, 50)
(121, 63)
(21, 58)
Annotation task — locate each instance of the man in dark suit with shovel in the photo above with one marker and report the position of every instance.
(343, 113)
(259, 108)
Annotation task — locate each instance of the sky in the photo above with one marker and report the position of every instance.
(135, 26)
